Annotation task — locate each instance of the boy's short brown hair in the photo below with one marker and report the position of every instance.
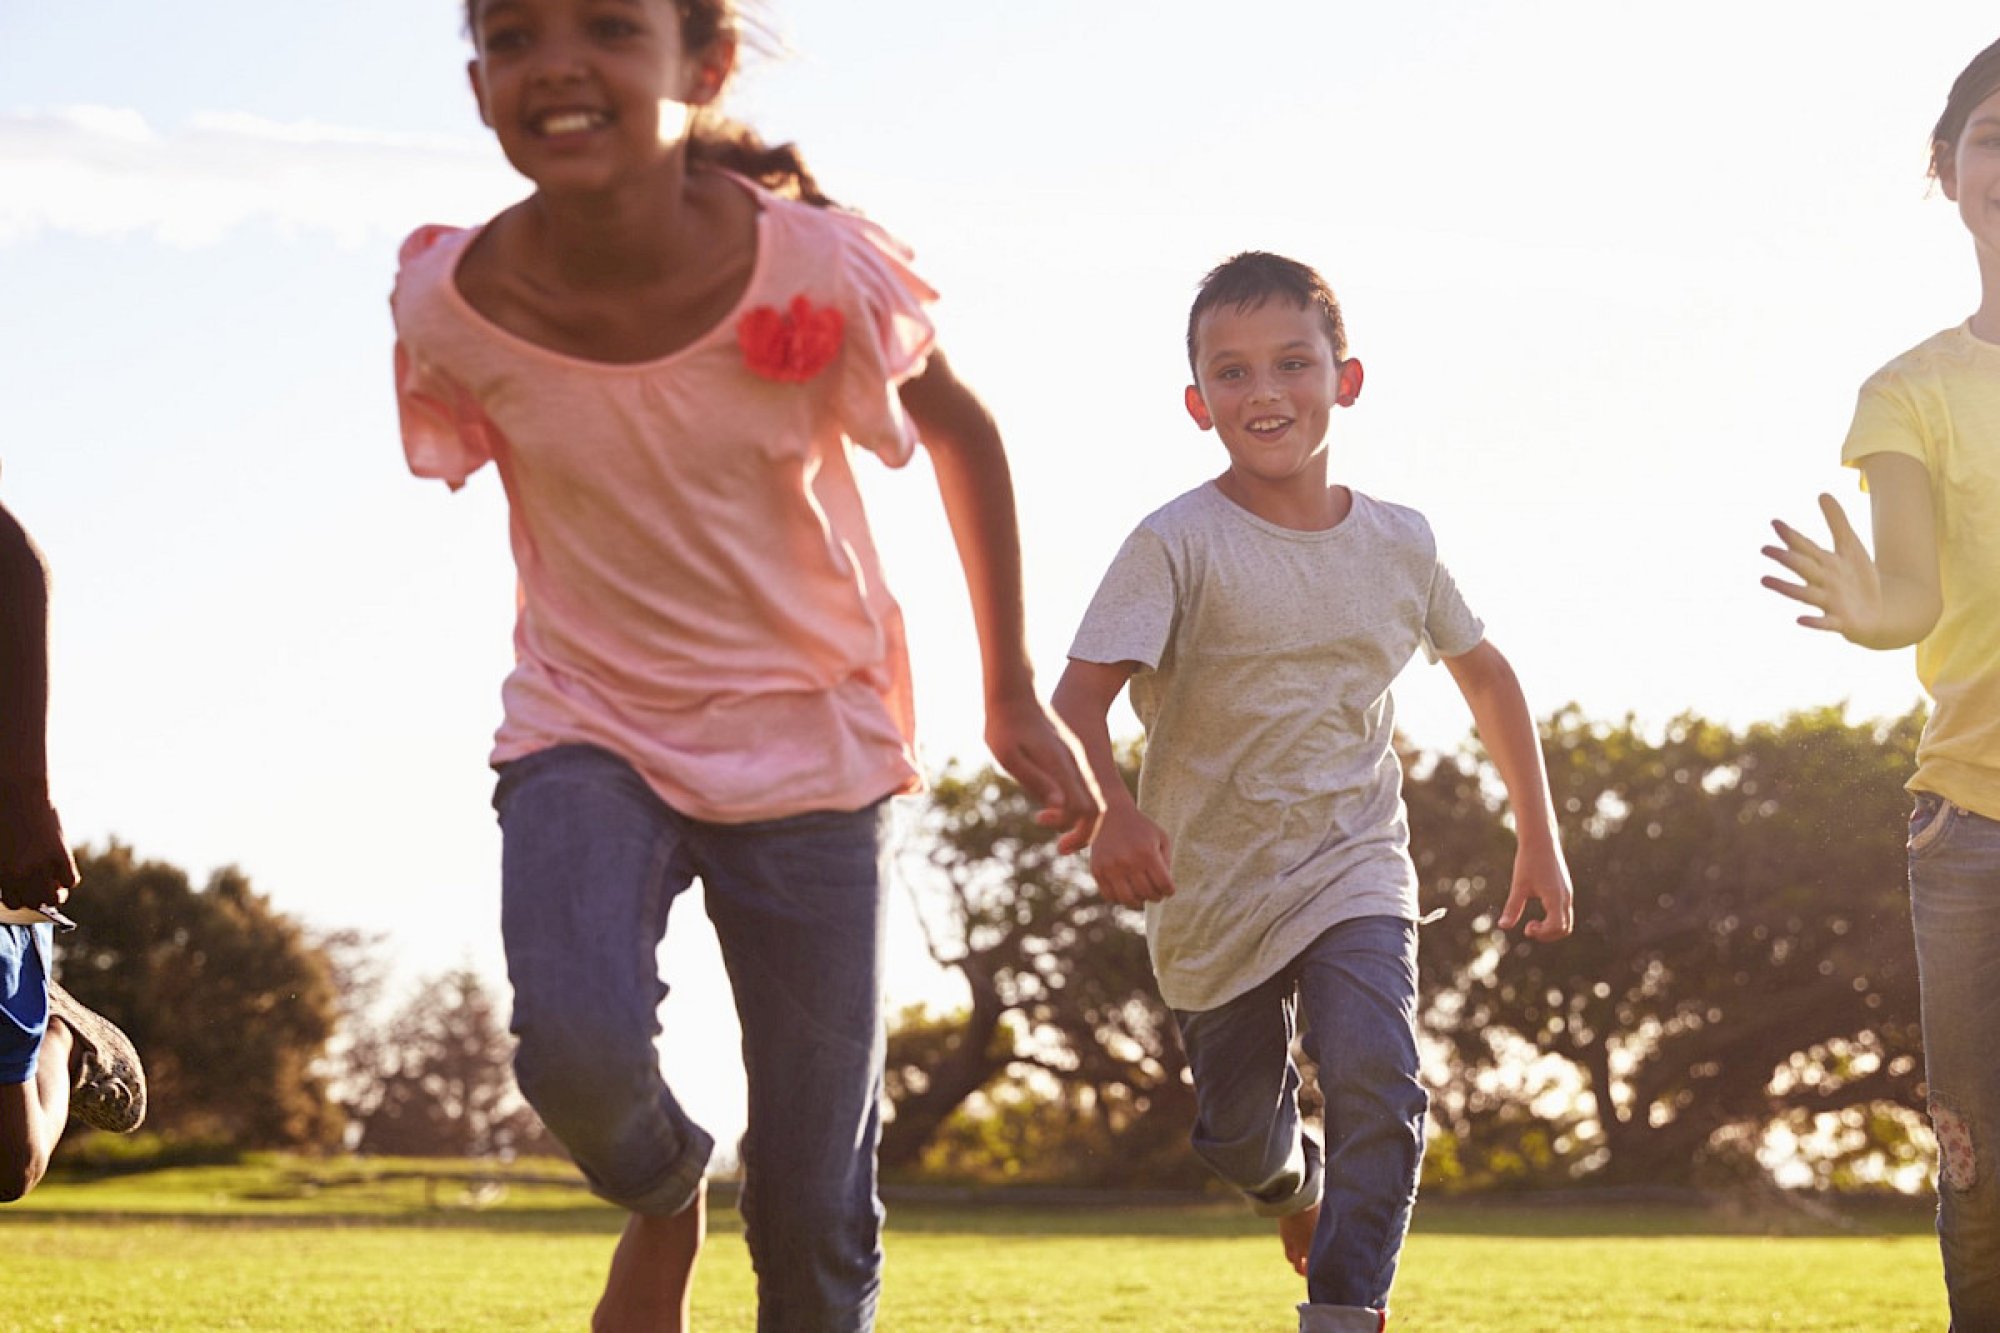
(1247, 280)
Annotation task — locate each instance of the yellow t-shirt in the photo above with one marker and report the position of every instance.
(1939, 403)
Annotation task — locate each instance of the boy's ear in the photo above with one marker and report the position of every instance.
(1349, 388)
(478, 91)
(1198, 409)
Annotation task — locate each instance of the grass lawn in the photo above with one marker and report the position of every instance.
(277, 1246)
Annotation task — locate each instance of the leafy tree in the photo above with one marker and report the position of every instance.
(1062, 994)
(436, 1079)
(228, 1002)
(1742, 965)
(1742, 955)
(1042, 1131)
(359, 972)
(934, 1064)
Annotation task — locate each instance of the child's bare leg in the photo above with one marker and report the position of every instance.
(1296, 1231)
(652, 1272)
(33, 1114)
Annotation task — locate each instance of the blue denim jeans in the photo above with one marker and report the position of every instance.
(592, 861)
(1355, 992)
(1955, 905)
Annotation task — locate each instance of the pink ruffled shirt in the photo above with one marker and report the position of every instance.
(698, 588)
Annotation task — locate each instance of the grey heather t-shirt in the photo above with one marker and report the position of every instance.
(1266, 656)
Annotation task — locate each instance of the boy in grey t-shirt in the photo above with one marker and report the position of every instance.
(1259, 620)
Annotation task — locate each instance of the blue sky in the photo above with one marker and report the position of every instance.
(1615, 275)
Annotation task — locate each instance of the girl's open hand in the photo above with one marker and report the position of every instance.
(1038, 752)
(1841, 583)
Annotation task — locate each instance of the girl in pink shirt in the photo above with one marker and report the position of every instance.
(670, 351)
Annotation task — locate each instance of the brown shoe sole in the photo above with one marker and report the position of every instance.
(110, 1092)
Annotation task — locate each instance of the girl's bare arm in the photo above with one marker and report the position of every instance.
(978, 493)
(1890, 601)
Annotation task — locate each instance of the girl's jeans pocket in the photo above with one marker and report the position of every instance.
(1931, 819)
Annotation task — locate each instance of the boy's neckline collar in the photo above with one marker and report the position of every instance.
(1340, 525)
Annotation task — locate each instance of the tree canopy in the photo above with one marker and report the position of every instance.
(1742, 970)
(227, 1000)
(436, 1079)
(1062, 1001)
(1742, 965)
(1742, 955)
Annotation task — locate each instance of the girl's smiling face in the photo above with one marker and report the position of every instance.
(1970, 174)
(579, 91)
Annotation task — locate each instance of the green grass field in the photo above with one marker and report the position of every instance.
(278, 1246)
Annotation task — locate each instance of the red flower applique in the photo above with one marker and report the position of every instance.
(792, 345)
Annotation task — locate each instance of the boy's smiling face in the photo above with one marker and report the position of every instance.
(1267, 381)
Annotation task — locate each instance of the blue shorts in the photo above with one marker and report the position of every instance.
(24, 998)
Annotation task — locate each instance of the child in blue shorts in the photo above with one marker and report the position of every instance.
(57, 1058)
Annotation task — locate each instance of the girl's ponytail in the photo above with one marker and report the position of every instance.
(718, 141)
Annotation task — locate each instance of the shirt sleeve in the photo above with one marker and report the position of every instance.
(1885, 422)
(1450, 627)
(1131, 619)
(889, 336)
(446, 434)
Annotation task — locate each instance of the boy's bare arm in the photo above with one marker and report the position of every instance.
(978, 493)
(1130, 854)
(1500, 712)
(1891, 601)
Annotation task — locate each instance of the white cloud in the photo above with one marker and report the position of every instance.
(104, 171)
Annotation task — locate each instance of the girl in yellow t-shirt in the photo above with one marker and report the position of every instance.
(1926, 437)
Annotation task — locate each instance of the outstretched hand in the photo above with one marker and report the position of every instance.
(1038, 752)
(1840, 582)
(36, 869)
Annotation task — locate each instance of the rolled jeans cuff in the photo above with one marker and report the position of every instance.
(1341, 1319)
(675, 1188)
(1307, 1195)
